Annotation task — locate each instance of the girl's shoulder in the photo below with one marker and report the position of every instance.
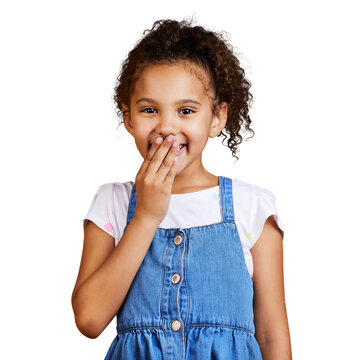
(254, 204)
(118, 189)
(123, 187)
(108, 207)
(252, 191)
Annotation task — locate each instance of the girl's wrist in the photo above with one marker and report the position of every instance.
(146, 220)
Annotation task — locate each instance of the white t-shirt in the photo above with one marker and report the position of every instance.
(252, 206)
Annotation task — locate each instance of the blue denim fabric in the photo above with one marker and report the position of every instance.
(213, 301)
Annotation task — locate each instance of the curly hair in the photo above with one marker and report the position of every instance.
(170, 41)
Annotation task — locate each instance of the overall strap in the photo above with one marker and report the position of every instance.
(226, 199)
(132, 205)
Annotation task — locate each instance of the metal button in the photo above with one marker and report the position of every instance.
(175, 325)
(178, 240)
(175, 278)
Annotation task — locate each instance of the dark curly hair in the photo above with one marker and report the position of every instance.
(171, 41)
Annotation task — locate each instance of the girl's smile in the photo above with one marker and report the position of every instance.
(170, 99)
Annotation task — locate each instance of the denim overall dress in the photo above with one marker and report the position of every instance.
(192, 297)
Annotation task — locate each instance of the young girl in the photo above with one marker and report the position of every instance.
(196, 265)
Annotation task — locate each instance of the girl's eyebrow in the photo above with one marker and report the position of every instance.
(182, 101)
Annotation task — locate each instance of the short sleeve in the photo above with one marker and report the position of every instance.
(263, 206)
(101, 210)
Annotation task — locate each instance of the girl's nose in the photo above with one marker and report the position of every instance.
(166, 126)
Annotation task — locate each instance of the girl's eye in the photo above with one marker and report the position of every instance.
(187, 111)
(148, 112)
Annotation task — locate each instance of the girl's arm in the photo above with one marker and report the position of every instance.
(106, 273)
(270, 317)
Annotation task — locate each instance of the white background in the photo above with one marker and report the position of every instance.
(60, 141)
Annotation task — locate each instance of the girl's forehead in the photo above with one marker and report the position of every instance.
(174, 78)
(182, 69)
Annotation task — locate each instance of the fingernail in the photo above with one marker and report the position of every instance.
(170, 137)
(175, 144)
(158, 140)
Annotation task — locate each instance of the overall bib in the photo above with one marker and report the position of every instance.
(192, 297)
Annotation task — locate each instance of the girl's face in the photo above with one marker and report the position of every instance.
(168, 99)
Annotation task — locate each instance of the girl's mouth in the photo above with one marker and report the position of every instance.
(181, 149)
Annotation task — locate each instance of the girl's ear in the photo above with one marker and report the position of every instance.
(127, 119)
(219, 119)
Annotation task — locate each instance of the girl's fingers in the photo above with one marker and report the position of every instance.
(158, 158)
(154, 146)
(169, 179)
(168, 162)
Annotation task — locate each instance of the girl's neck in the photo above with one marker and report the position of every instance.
(190, 181)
